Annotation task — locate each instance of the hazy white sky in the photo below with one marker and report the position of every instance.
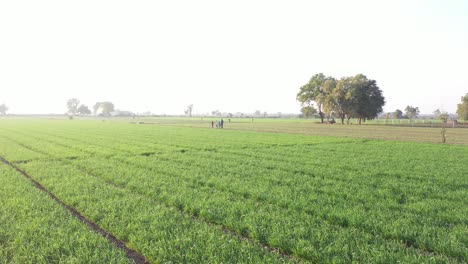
(160, 56)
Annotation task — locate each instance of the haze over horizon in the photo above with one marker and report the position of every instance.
(237, 56)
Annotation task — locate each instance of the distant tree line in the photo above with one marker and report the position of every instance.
(412, 112)
(104, 108)
(349, 97)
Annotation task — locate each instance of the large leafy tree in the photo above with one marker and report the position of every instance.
(313, 92)
(355, 96)
(398, 114)
(72, 106)
(105, 107)
(411, 112)
(365, 97)
(341, 97)
(328, 103)
(308, 111)
(96, 107)
(83, 110)
(3, 109)
(462, 108)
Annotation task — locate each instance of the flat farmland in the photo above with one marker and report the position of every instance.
(373, 129)
(178, 192)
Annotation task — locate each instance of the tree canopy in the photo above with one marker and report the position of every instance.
(3, 109)
(105, 107)
(366, 98)
(313, 92)
(72, 106)
(355, 96)
(462, 108)
(83, 110)
(308, 111)
(398, 114)
(411, 112)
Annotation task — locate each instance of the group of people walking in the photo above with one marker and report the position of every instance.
(219, 124)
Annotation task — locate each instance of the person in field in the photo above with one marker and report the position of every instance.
(217, 124)
(222, 123)
(212, 123)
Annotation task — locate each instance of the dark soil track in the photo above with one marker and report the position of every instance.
(130, 253)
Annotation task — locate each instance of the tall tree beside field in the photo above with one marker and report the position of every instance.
(3, 109)
(96, 107)
(72, 106)
(313, 92)
(308, 111)
(105, 107)
(366, 98)
(83, 110)
(411, 112)
(328, 102)
(398, 114)
(355, 96)
(188, 111)
(341, 97)
(462, 108)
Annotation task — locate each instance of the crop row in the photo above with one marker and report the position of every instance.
(160, 233)
(370, 175)
(200, 190)
(420, 159)
(337, 201)
(35, 229)
(411, 205)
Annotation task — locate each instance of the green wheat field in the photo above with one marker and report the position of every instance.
(178, 191)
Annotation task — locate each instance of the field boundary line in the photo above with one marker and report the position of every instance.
(130, 253)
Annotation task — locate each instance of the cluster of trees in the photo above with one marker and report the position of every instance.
(441, 115)
(355, 96)
(106, 108)
(462, 108)
(412, 112)
(75, 108)
(255, 114)
(3, 109)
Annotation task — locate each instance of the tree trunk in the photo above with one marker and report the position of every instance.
(360, 119)
(321, 116)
